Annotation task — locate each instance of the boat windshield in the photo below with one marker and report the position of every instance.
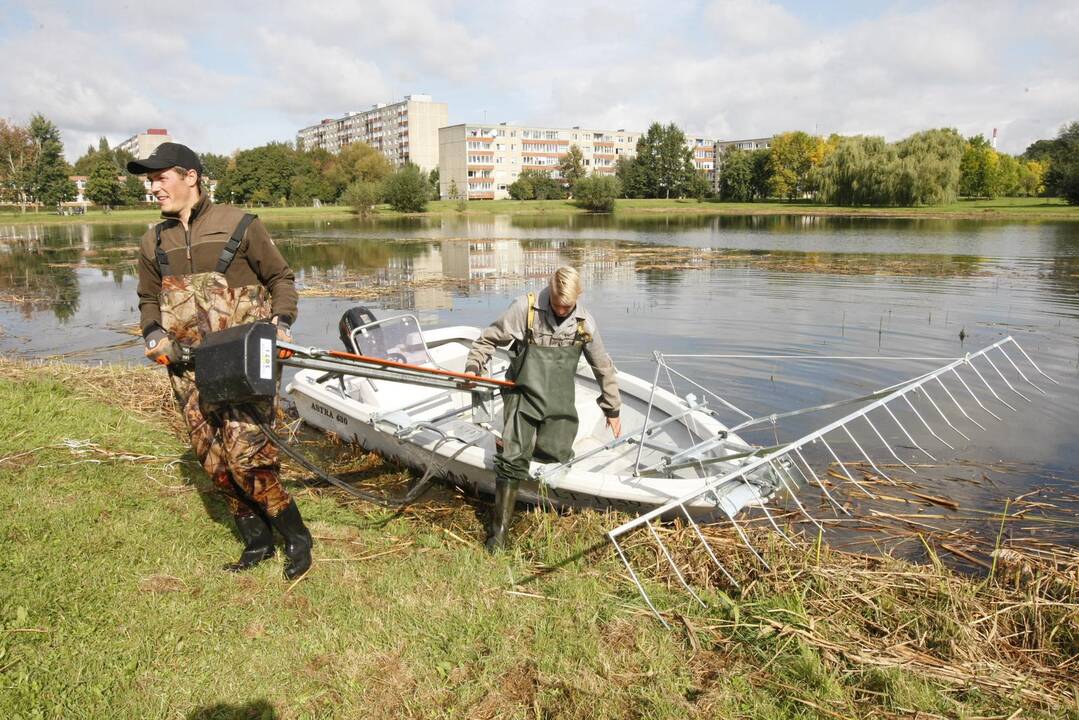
(397, 338)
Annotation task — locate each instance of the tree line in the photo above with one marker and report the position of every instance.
(928, 168)
(931, 167)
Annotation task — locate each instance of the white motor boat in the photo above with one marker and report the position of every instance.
(671, 446)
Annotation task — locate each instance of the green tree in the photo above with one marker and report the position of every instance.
(699, 187)
(362, 196)
(920, 170)
(630, 176)
(977, 169)
(793, 155)
(133, 192)
(214, 166)
(571, 168)
(17, 156)
(664, 162)
(433, 181)
(1031, 178)
(535, 185)
(358, 161)
(1062, 154)
(103, 186)
(453, 192)
(407, 189)
(49, 176)
(762, 174)
(736, 175)
(597, 193)
(86, 164)
(260, 175)
(933, 158)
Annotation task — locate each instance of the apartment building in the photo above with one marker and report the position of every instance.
(704, 155)
(405, 131)
(484, 160)
(142, 144)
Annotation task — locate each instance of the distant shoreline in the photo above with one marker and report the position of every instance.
(1039, 209)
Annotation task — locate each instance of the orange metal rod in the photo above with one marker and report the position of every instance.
(419, 368)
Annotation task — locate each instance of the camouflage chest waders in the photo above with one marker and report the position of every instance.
(243, 464)
(539, 417)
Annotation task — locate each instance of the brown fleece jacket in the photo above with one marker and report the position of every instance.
(257, 262)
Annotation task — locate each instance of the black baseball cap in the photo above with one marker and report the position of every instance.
(166, 155)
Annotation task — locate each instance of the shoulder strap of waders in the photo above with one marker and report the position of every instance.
(228, 253)
(531, 316)
(161, 255)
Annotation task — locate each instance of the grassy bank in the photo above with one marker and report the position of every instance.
(113, 604)
(998, 209)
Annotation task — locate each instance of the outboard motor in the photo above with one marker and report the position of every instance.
(352, 319)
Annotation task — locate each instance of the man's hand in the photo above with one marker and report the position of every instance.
(158, 347)
(615, 424)
(478, 372)
(284, 334)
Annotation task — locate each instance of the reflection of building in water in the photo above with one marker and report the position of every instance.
(420, 279)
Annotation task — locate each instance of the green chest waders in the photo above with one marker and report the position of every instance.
(539, 418)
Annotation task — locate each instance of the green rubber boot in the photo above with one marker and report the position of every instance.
(501, 514)
(258, 542)
(297, 540)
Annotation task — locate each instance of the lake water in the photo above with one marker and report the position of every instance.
(782, 285)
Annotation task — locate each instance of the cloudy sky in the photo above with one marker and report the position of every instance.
(226, 78)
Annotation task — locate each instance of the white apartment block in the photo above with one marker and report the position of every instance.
(484, 160)
(143, 144)
(406, 131)
(704, 155)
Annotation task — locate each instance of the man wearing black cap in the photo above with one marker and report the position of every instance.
(205, 268)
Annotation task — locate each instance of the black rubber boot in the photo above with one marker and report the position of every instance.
(297, 540)
(258, 542)
(501, 514)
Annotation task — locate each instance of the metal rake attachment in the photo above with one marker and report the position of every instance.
(767, 470)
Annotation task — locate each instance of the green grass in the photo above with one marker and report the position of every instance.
(113, 604)
(996, 209)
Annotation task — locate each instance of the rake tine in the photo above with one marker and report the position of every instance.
(983, 407)
(823, 487)
(865, 454)
(850, 477)
(674, 567)
(949, 393)
(990, 387)
(745, 540)
(1009, 358)
(763, 505)
(707, 547)
(793, 494)
(1033, 364)
(941, 412)
(931, 432)
(1010, 386)
(912, 440)
(637, 582)
(888, 445)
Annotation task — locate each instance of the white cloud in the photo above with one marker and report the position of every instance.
(302, 75)
(241, 75)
